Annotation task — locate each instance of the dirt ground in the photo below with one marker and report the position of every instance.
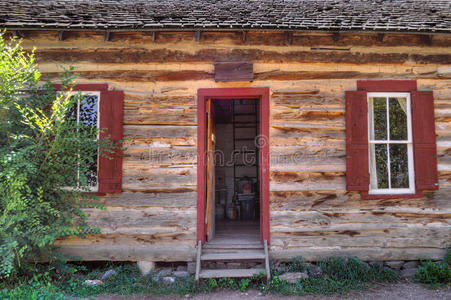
(405, 290)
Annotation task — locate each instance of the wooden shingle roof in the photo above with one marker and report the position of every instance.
(328, 15)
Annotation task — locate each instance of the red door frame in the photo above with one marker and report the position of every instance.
(228, 93)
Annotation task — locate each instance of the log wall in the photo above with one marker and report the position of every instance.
(312, 214)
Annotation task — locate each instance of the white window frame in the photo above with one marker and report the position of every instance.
(409, 142)
(88, 93)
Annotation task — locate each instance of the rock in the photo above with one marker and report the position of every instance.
(375, 263)
(168, 280)
(191, 267)
(182, 268)
(108, 273)
(187, 296)
(164, 272)
(233, 265)
(181, 274)
(93, 282)
(408, 273)
(293, 277)
(315, 271)
(396, 264)
(146, 267)
(410, 264)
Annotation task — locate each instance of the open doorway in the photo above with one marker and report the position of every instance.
(233, 189)
(233, 165)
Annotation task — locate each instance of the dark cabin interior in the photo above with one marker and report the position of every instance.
(237, 201)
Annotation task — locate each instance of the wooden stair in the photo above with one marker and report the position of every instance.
(232, 253)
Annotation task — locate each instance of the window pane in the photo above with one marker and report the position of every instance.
(379, 171)
(88, 112)
(379, 128)
(399, 166)
(92, 173)
(72, 111)
(398, 118)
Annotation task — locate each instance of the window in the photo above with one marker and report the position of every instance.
(390, 144)
(390, 140)
(102, 108)
(86, 112)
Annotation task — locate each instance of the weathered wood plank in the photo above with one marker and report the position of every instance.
(271, 38)
(153, 199)
(153, 131)
(154, 179)
(151, 156)
(138, 55)
(148, 220)
(364, 253)
(414, 237)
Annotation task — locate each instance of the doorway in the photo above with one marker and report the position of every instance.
(233, 165)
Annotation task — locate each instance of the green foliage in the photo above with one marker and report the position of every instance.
(44, 156)
(212, 283)
(69, 280)
(435, 274)
(244, 284)
(296, 265)
(339, 275)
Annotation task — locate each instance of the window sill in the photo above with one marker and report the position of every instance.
(366, 196)
(96, 193)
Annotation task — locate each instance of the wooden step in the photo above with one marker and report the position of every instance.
(233, 255)
(230, 273)
(236, 246)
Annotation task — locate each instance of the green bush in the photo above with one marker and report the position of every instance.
(339, 275)
(435, 274)
(44, 156)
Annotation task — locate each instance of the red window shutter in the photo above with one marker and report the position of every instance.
(424, 142)
(357, 172)
(111, 120)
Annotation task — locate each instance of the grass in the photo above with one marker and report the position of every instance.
(339, 276)
(435, 274)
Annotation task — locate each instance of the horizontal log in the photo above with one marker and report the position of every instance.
(336, 200)
(364, 253)
(145, 220)
(323, 116)
(273, 38)
(148, 179)
(307, 181)
(152, 131)
(286, 130)
(124, 252)
(136, 55)
(158, 142)
(301, 221)
(412, 237)
(184, 75)
(153, 199)
(159, 116)
(151, 156)
(138, 75)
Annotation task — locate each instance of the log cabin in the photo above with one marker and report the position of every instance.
(288, 128)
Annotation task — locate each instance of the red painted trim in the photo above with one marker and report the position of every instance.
(229, 93)
(387, 85)
(96, 193)
(201, 165)
(84, 87)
